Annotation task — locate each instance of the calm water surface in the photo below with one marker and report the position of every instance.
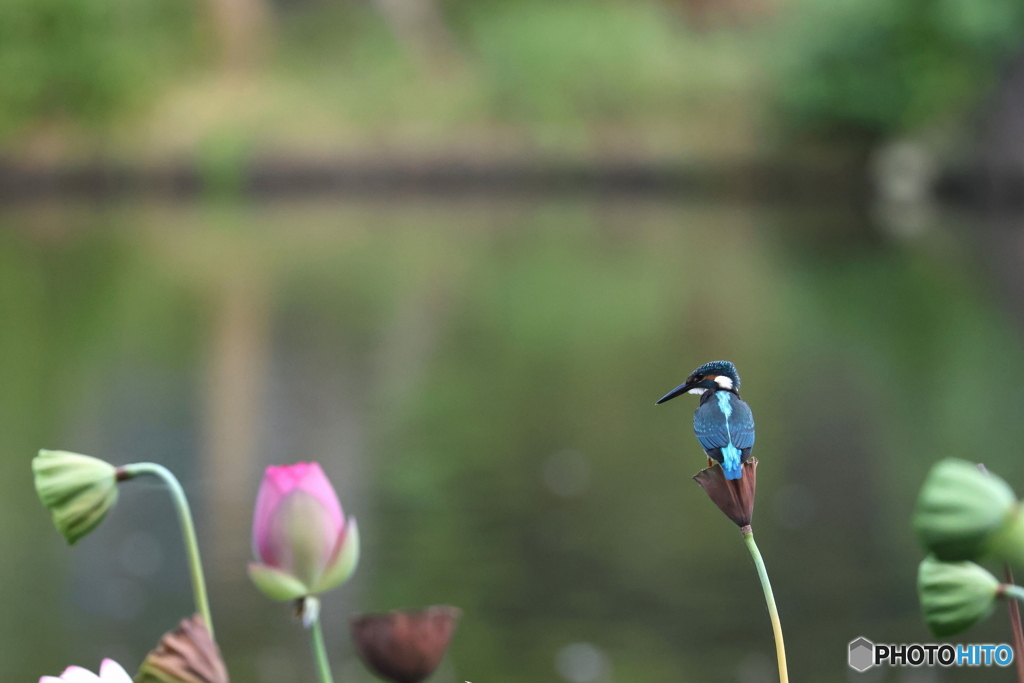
(478, 378)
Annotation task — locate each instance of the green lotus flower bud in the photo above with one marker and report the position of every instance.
(963, 513)
(954, 595)
(79, 490)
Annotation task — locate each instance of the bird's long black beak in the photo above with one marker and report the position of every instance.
(678, 391)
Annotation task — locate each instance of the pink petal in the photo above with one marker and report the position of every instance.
(278, 482)
(267, 500)
(76, 674)
(112, 672)
(315, 482)
(49, 679)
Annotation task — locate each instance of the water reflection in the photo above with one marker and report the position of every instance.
(478, 380)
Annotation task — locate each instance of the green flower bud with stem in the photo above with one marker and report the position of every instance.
(79, 491)
(965, 513)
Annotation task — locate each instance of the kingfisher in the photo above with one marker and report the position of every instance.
(723, 423)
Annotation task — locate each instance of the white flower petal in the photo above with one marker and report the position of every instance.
(50, 679)
(76, 674)
(112, 672)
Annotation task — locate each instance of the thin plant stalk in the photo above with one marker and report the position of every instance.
(769, 598)
(188, 530)
(1013, 607)
(311, 616)
(1014, 591)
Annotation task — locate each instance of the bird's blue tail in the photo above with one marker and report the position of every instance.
(731, 465)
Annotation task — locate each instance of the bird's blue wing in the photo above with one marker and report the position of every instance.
(710, 426)
(741, 424)
(715, 430)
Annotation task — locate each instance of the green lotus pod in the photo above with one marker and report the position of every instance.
(962, 511)
(954, 595)
(1007, 543)
(78, 490)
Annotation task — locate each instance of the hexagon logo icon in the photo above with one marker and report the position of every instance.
(862, 654)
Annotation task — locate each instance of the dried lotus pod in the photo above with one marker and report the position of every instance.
(405, 646)
(734, 497)
(185, 655)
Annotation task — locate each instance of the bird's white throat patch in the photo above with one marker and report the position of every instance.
(723, 381)
(697, 390)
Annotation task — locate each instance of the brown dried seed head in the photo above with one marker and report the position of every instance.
(734, 497)
(184, 655)
(405, 646)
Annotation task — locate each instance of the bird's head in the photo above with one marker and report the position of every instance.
(716, 375)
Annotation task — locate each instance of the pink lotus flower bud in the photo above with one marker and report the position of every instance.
(300, 535)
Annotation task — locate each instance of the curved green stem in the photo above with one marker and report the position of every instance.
(188, 530)
(323, 665)
(769, 597)
(1014, 591)
(1015, 626)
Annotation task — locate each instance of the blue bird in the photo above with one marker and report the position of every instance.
(723, 423)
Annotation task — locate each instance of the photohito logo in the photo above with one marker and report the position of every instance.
(864, 654)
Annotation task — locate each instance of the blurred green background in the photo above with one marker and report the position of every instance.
(157, 80)
(487, 412)
(477, 373)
